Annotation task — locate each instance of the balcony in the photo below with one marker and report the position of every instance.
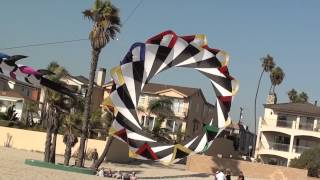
(278, 146)
(284, 123)
(306, 126)
(300, 149)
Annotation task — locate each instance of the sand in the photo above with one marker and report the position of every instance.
(12, 167)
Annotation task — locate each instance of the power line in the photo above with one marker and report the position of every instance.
(133, 11)
(69, 41)
(44, 44)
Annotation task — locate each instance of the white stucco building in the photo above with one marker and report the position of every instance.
(286, 130)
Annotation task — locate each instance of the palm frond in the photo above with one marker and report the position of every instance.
(88, 14)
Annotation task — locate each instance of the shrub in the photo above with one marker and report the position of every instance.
(309, 159)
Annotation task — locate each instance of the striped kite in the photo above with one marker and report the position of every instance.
(140, 65)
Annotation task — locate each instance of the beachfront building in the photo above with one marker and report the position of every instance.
(286, 130)
(80, 85)
(190, 108)
(16, 93)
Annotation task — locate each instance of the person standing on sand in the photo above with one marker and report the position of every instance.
(94, 156)
(220, 175)
(241, 176)
(228, 174)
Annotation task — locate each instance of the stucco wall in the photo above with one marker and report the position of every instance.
(209, 164)
(35, 141)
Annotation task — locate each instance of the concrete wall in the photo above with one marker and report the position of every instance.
(208, 164)
(35, 141)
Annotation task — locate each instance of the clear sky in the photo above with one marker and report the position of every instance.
(289, 30)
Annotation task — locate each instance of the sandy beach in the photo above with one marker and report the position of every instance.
(12, 167)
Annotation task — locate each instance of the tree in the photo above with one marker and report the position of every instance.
(29, 109)
(55, 104)
(267, 66)
(69, 138)
(11, 114)
(309, 159)
(294, 97)
(276, 77)
(303, 97)
(106, 25)
(162, 108)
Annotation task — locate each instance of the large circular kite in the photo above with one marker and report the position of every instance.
(144, 61)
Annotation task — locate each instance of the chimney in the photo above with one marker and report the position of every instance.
(272, 98)
(315, 103)
(101, 76)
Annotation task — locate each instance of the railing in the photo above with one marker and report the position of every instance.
(300, 149)
(306, 126)
(278, 146)
(284, 123)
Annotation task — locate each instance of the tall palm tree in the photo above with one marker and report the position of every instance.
(267, 66)
(106, 25)
(276, 77)
(293, 95)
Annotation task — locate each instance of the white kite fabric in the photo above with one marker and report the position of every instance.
(140, 65)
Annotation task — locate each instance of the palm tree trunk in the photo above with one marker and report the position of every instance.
(67, 154)
(104, 153)
(48, 137)
(48, 144)
(43, 109)
(270, 90)
(53, 148)
(84, 131)
(255, 103)
(273, 90)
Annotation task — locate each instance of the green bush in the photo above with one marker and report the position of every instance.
(4, 123)
(309, 159)
(3, 116)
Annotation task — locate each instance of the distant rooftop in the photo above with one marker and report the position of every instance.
(82, 79)
(306, 109)
(14, 94)
(153, 88)
(6, 79)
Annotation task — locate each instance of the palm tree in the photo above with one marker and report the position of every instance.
(293, 95)
(29, 109)
(267, 66)
(69, 138)
(303, 97)
(162, 108)
(106, 25)
(53, 108)
(276, 77)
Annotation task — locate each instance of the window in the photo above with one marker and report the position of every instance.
(28, 92)
(152, 98)
(142, 99)
(178, 105)
(195, 125)
(205, 110)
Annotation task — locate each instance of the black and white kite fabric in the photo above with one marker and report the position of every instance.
(140, 65)
(26, 74)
